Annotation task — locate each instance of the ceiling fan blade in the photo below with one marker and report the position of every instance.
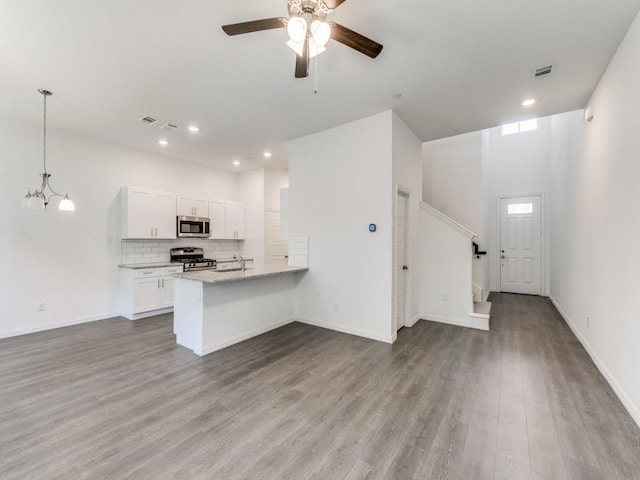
(334, 3)
(355, 40)
(254, 26)
(302, 61)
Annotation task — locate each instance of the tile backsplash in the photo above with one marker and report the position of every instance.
(157, 251)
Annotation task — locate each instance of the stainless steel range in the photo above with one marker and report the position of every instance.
(192, 258)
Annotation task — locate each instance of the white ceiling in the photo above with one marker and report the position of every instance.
(460, 65)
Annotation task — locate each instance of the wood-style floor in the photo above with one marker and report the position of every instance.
(119, 400)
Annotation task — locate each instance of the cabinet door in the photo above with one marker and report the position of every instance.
(136, 213)
(185, 206)
(201, 207)
(240, 220)
(190, 206)
(217, 215)
(235, 220)
(167, 289)
(146, 295)
(164, 214)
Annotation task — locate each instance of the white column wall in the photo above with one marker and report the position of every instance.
(340, 182)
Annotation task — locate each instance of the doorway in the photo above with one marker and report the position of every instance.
(401, 257)
(276, 247)
(521, 245)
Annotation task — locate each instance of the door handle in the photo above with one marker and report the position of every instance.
(404, 267)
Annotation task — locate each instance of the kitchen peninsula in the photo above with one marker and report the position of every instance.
(214, 309)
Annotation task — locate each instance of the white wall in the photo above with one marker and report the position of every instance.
(596, 230)
(251, 187)
(340, 182)
(453, 177)
(274, 181)
(407, 168)
(70, 260)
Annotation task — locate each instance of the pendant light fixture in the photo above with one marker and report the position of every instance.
(39, 199)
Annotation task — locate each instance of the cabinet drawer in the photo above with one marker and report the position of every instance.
(147, 272)
(172, 270)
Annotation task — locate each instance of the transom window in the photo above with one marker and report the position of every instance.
(520, 208)
(519, 127)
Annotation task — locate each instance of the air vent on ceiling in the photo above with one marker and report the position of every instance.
(544, 70)
(169, 126)
(148, 120)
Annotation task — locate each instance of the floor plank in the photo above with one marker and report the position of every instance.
(120, 400)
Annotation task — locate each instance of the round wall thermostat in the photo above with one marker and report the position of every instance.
(372, 227)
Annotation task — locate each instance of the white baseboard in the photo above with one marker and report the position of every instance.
(346, 329)
(53, 325)
(479, 322)
(413, 321)
(212, 347)
(619, 391)
(151, 313)
(458, 322)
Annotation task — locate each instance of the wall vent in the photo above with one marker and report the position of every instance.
(148, 120)
(544, 71)
(169, 126)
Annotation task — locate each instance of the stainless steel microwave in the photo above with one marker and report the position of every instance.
(193, 227)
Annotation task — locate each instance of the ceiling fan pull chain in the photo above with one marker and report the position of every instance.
(315, 75)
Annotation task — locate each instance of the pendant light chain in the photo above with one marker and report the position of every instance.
(44, 137)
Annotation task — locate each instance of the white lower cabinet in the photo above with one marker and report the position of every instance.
(148, 291)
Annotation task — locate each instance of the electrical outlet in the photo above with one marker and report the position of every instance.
(445, 297)
(41, 306)
(336, 306)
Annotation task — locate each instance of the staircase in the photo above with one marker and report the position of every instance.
(480, 316)
(447, 291)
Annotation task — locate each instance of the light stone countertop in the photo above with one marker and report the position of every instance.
(136, 266)
(213, 276)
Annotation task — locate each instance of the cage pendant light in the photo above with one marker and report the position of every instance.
(40, 199)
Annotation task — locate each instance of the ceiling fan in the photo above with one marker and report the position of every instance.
(309, 31)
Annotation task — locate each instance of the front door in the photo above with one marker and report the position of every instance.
(520, 245)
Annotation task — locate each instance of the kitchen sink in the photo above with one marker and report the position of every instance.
(234, 269)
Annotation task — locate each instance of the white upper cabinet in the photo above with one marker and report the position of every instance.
(234, 220)
(217, 215)
(190, 206)
(148, 213)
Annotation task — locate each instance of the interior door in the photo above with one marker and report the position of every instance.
(401, 259)
(277, 248)
(520, 245)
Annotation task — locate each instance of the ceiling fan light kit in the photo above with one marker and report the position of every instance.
(309, 31)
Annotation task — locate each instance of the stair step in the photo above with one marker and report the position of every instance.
(483, 308)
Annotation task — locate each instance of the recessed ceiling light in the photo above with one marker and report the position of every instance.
(164, 143)
(528, 102)
(267, 154)
(396, 96)
(236, 162)
(194, 129)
